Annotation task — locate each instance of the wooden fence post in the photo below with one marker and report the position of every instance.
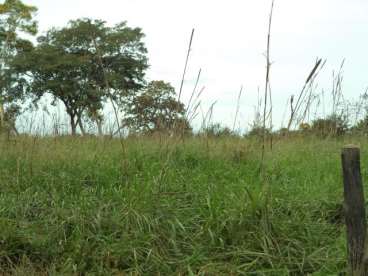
(354, 211)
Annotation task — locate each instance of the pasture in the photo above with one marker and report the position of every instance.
(163, 206)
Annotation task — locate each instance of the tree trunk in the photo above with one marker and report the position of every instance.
(99, 127)
(80, 123)
(73, 125)
(2, 117)
(14, 128)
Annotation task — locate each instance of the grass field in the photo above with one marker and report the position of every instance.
(151, 206)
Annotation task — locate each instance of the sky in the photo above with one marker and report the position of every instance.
(230, 42)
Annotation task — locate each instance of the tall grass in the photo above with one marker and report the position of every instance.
(68, 207)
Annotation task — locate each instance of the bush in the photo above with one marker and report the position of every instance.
(258, 131)
(361, 126)
(216, 130)
(331, 126)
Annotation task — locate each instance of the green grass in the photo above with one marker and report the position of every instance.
(198, 207)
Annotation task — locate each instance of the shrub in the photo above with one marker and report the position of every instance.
(216, 130)
(361, 126)
(258, 131)
(331, 126)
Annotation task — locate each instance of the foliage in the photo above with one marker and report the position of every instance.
(16, 16)
(217, 130)
(331, 126)
(361, 126)
(257, 131)
(84, 64)
(155, 109)
(16, 19)
(10, 115)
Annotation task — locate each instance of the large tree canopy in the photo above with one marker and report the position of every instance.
(84, 64)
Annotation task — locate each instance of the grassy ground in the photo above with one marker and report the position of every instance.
(153, 207)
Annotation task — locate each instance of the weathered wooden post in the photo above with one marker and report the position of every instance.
(354, 211)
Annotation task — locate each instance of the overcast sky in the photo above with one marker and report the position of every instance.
(230, 42)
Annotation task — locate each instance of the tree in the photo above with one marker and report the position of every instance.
(55, 71)
(16, 18)
(85, 64)
(155, 109)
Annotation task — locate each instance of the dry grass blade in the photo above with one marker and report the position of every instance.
(267, 84)
(296, 107)
(206, 119)
(194, 106)
(194, 90)
(337, 89)
(237, 107)
(194, 113)
(186, 64)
